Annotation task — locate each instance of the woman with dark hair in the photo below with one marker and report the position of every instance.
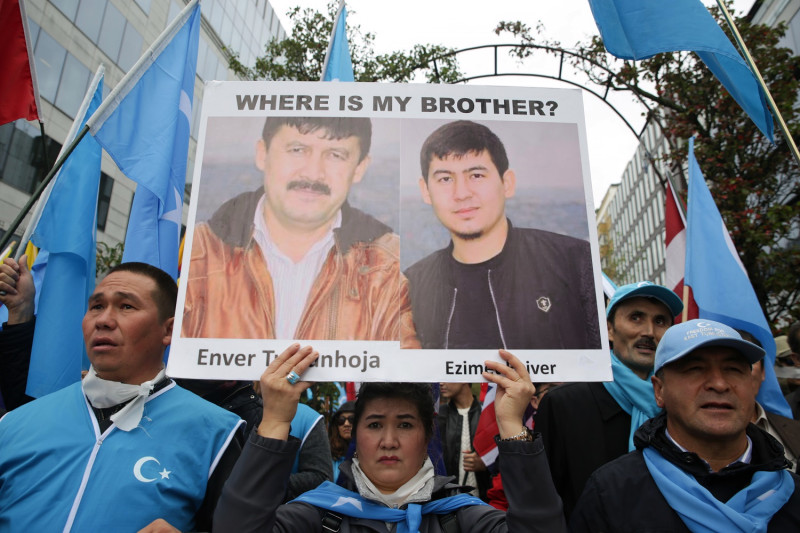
(390, 484)
(340, 432)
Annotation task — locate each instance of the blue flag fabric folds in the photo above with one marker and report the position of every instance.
(339, 66)
(719, 282)
(66, 230)
(146, 131)
(340, 500)
(638, 29)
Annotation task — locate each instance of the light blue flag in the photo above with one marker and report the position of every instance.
(338, 65)
(719, 282)
(638, 29)
(66, 235)
(144, 125)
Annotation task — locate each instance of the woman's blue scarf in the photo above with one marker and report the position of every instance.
(633, 394)
(340, 500)
(749, 510)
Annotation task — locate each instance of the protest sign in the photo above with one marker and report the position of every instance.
(312, 221)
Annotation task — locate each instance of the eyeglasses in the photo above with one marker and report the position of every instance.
(344, 419)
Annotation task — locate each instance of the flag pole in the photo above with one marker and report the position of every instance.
(330, 42)
(38, 192)
(752, 64)
(73, 130)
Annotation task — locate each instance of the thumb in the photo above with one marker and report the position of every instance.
(23, 265)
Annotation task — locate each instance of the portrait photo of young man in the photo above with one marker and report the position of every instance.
(499, 274)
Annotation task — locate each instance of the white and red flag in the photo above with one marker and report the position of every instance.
(19, 94)
(675, 223)
(483, 442)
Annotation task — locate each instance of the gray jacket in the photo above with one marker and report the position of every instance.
(251, 499)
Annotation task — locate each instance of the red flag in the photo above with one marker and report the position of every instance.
(351, 389)
(483, 441)
(19, 95)
(675, 223)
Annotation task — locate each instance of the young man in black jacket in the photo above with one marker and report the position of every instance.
(495, 285)
(457, 419)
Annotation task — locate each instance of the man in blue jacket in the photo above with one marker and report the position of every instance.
(126, 447)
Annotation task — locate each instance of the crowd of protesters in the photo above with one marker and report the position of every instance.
(676, 442)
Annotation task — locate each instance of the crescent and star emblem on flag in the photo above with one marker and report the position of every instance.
(137, 470)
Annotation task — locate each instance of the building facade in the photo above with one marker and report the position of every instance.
(631, 218)
(70, 39)
(772, 12)
(604, 225)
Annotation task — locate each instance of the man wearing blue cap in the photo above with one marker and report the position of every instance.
(700, 465)
(586, 425)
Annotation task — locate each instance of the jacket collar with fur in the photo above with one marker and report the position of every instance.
(233, 223)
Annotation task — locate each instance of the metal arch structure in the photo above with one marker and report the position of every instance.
(562, 54)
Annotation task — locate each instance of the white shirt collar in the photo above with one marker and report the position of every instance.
(746, 457)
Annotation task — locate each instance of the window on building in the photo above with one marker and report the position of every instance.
(23, 163)
(68, 7)
(90, 17)
(222, 71)
(227, 28)
(72, 88)
(104, 200)
(792, 37)
(131, 48)
(175, 8)
(49, 61)
(111, 32)
(33, 32)
(210, 66)
(202, 51)
(144, 5)
(215, 16)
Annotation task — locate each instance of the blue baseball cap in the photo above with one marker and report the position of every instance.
(647, 289)
(683, 339)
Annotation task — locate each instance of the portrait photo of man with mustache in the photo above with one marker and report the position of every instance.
(293, 259)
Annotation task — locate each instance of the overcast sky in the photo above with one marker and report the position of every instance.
(465, 23)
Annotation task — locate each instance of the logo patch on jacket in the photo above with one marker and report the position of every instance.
(152, 472)
(543, 302)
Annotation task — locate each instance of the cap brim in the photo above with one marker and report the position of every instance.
(662, 294)
(750, 351)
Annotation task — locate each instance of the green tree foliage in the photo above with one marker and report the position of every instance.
(107, 257)
(323, 399)
(754, 183)
(301, 56)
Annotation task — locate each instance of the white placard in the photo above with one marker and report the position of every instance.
(229, 286)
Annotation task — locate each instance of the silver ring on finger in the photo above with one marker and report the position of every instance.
(292, 377)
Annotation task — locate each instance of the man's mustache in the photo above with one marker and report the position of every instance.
(315, 186)
(647, 343)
